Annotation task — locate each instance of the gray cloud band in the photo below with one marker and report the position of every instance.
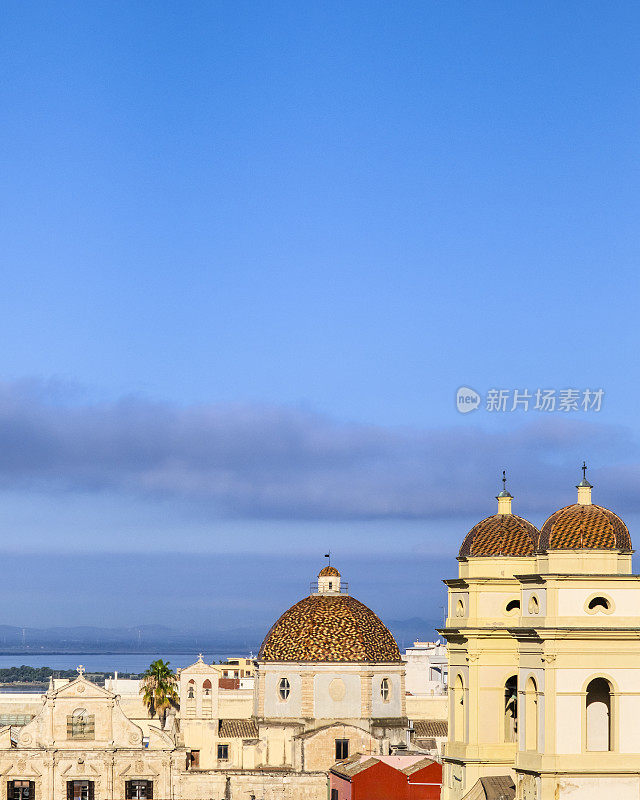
(265, 462)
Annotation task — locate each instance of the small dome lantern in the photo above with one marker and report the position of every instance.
(329, 580)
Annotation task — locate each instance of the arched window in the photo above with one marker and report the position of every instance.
(385, 690)
(531, 715)
(284, 688)
(511, 709)
(459, 609)
(206, 688)
(191, 690)
(598, 715)
(534, 605)
(458, 710)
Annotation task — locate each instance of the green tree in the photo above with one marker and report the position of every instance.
(159, 689)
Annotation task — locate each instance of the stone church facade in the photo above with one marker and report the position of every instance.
(329, 683)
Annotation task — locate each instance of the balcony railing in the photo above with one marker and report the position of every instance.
(344, 588)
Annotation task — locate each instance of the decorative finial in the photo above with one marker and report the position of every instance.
(504, 498)
(584, 481)
(80, 670)
(199, 656)
(584, 488)
(504, 492)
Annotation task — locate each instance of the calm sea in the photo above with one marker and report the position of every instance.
(110, 662)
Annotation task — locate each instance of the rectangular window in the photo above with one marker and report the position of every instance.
(81, 726)
(334, 794)
(193, 759)
(80, 790)
(138, 790)
(342, 749)
(15, 719)
(21, 790)
(223, 752)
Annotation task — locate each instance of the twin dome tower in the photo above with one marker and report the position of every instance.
(544, 656)
(581, 526)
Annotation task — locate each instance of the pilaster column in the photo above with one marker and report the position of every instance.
(365, 693)
(308, 705)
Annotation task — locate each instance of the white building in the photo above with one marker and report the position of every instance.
(427, 668)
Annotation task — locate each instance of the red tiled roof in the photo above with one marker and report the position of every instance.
(237, 729)
(430, 727)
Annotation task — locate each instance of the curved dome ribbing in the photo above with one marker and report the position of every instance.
(334, 628)
(501, 535)
(328, 571)
(584, 527)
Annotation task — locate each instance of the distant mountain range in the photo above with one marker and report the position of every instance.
(145, 638)
(141, 638)
(408, 631)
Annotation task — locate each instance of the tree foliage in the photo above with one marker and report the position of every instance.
(26, 674)
(159, 689)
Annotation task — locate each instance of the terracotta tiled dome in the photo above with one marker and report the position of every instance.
(501, 535)
(334, 628)
(584, 527)
(328, 571)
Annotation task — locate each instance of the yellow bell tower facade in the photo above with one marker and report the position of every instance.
(483, 605)
(543, 631)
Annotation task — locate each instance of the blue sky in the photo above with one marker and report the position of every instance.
(251, 251)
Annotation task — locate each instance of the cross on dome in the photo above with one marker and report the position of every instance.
(80, 670)
(584, 488)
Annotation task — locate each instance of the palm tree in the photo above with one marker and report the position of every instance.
(159, 690)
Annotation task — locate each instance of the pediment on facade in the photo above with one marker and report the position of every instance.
(80, 768)
(141, 768)
(83, 690)
(199, 668)
(22, 768)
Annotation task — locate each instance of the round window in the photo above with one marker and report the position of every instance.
(284, 688)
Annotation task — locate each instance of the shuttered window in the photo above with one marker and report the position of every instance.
(138, 790)
(21, 790)
(80, 790)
